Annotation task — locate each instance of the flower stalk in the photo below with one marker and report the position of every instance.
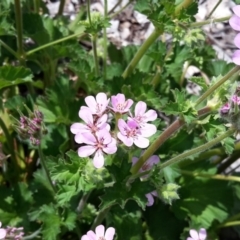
(42, 160)
(201, 148)
(19, 27)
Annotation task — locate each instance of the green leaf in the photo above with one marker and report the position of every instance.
(11, 76)
(128, 225)
(15, 102)
(161, 213)
(203, 202)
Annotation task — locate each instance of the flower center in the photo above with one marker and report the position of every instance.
(121, 106)
(99, 108)
(145, 167)
(101, 238)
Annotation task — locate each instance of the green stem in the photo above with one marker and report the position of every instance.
(120, 10)
(200, 24)
(175, 126)
(218, 84)
(205, 175)
(89, 12)
(10, 143)
(54, 43)
(197, 149)
(36, 4)
(83, 202)
(19, 27)
(95, 57)
(182, 6)
(151, 39)
(42, 160)
(115, 6)
(229, 224)
(9, 49)
(100, 218)
(141, 51)
(214, 8)
(105, 42)
(61, 7)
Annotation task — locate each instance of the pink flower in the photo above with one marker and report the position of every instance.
(201, 235)
(225, 109)
(100, 234)
(97, 106)
(150, 198)
(3, 232)
(234, 21)
(101, 143)
(154, 159)
(236, 57)
(141, 116)
(92, 125)
(235, 99)
(131, 132)
(147, 166)
(119, 104)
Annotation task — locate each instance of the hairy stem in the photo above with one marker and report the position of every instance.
(42, 160)
(218, 84)
(61, 8)
(214, 8)
(54, 43)
(95, 56)
(83, 202)
(100, 218)
(151, 39)
(201, 148)
(9, 49)
(89, 12)
(206, 175)
(175, 126)
(105, 42)
(19, 27)
(141, 51)
(210, 21)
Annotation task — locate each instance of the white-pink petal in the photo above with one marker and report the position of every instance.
(193, 234)
(91, 235)
(127, 141)
(98, 160)
(236, 57)
(148, 130)
(86, 115)
(85, 237)
(78, 138)
(110, 233)
(100, 230)
(150, 115)
(150, 199)
(236, 10)
(140, 108)
(89, 138)
(202, 234)
(76, 128)
(86, 151)
(234, 22)
(91, 103)
(3, 233)
(141, 142)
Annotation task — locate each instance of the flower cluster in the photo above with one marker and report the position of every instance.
(31, 127)
(234, 22)
(100, 234)
(147, 166)
(95, 133)
(194, 235)
(230, 111)
(11, 233)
